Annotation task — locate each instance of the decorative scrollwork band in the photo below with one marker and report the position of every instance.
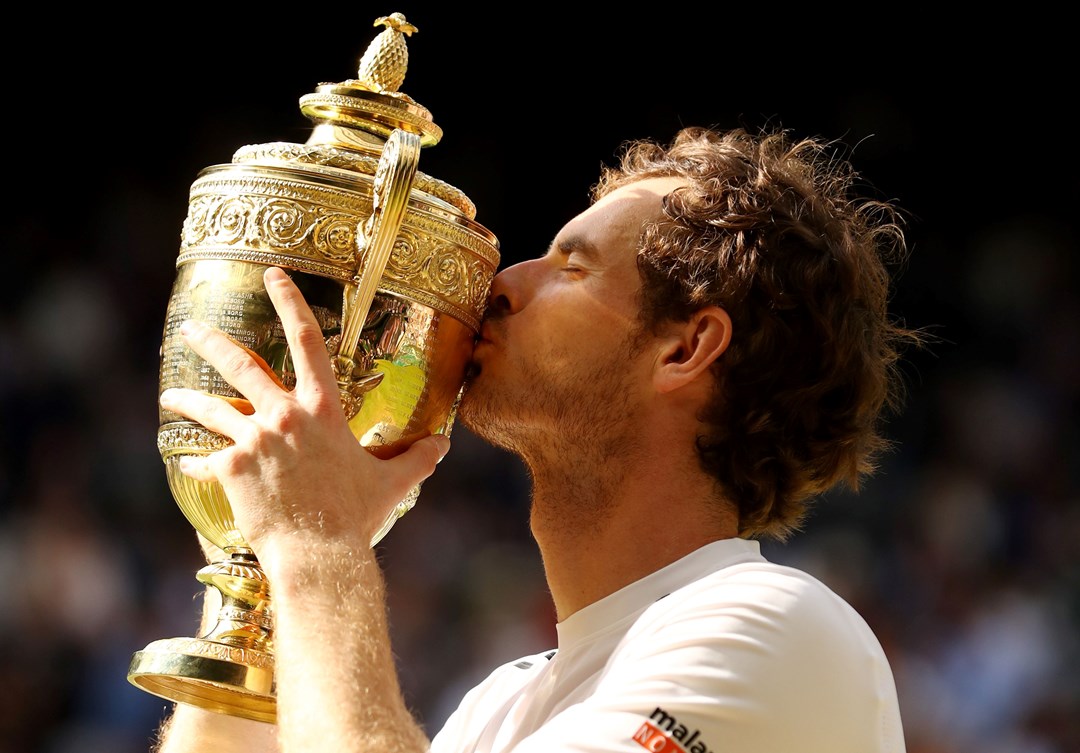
(308, 226)
(174, 439)
(328, 156)
(264, 621)
(195, 647)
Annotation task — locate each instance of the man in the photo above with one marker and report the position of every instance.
(696, 355)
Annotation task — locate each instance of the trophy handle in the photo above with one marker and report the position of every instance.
(389, 198)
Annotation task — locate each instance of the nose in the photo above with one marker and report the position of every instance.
(511, 288)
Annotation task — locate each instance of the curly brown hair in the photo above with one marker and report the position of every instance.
(769, 229)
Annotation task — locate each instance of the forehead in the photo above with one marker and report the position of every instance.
(617, 218)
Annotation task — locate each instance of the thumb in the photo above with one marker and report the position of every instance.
(408, 469)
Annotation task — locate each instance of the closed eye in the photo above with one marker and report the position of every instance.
(574, 249)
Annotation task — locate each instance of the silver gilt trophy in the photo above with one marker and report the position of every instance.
(397, 271)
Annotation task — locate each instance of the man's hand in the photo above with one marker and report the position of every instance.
(295, 469)
(308, 498)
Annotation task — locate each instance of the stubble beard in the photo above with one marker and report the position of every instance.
(574, 433)
(542, 410)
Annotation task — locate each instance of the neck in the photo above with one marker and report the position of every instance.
(603, 525)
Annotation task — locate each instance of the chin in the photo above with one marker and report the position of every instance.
(469, 406)
(479, 411)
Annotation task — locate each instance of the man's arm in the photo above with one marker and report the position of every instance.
(308, 498)
(190, 729)
(337, 685)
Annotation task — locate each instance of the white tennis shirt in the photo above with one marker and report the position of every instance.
(719, 652)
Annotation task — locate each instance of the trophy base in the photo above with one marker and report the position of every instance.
(208, 674)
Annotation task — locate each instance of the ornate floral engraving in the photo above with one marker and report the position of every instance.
(314, 228)
(247, 656)
(328, 156)
(407, 256)
(192, 438)
(264, 621)
(335, 234)
(283, 223)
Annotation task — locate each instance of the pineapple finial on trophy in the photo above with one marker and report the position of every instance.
(382, 67)
(372, 103)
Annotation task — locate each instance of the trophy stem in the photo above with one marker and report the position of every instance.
(243, 617)
(230, 668)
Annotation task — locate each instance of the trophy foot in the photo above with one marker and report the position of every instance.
(229, 669)
(208, 674)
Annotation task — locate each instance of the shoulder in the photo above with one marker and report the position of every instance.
(765, 642)
(509, 677)
(482, 702)
(760, 630)
(757, 597)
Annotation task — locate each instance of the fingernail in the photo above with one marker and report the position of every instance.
(442, 443)
(189, 327)
(166, 398)
(275, 274)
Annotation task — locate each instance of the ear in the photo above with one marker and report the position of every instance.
(691, 348)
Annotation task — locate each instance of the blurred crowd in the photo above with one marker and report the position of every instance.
(960, 551)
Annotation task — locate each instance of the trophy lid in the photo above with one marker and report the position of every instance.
(372, 101)
(306, 206)
(354, 118)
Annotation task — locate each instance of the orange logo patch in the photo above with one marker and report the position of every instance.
(652, 738)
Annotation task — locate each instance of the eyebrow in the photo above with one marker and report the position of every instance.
(575, 244)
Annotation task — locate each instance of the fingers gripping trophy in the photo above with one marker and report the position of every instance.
(397, 272)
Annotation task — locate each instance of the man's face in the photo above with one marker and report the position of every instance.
(556, 363)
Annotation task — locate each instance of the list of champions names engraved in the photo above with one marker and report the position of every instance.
(221, 308)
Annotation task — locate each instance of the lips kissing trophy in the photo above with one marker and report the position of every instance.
(398, 273)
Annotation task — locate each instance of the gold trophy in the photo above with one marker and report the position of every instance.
(398, 273)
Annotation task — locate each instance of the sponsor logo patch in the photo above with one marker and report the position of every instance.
(662, 733)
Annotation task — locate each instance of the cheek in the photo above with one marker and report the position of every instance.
(557, 331)
(597, 344)
(548, 345)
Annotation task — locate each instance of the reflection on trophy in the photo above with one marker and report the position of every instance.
(397, 272)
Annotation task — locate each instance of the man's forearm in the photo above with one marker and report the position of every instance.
(194, 730)
(337, 685)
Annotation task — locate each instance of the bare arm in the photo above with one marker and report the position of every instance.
(308, 498)
(191, 729)
(338, 687)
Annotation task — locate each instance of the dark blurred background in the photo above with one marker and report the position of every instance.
(961, 552)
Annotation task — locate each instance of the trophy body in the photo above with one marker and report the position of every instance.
(397, 272)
